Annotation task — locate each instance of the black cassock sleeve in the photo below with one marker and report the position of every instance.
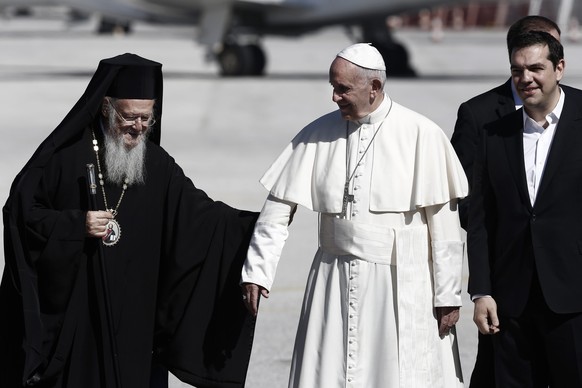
(203, 331)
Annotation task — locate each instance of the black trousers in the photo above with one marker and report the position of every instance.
(483, 375)
(158, 376)
(540, 348)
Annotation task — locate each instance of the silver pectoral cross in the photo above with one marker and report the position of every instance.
(347, 198)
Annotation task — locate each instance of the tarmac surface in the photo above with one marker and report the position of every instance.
(225, 132)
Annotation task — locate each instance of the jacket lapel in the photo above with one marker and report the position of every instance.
(513, 141)
(568, 127)
(506, 104)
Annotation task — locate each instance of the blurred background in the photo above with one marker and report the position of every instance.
(232, 32)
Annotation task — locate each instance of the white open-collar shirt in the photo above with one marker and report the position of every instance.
(537, 142)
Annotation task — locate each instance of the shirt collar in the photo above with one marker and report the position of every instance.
(378, 115)
(553, 117)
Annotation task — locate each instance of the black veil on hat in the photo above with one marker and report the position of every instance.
(122, 76)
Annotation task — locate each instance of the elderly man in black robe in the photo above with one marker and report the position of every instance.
(107, 275)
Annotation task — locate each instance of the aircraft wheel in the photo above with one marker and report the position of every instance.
(106, 26)
(259, 59)
(22, 12)
(234, 60)
(111, 26)
(237, 60)
(397, 60)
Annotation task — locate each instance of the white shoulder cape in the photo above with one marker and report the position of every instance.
(414, 165)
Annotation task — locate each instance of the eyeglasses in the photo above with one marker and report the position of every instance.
(146, 121)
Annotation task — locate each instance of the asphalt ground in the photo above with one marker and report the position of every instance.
(225, 132)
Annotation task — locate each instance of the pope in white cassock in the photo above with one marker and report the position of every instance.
(384, 290)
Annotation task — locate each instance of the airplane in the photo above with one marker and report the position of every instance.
(231, 30)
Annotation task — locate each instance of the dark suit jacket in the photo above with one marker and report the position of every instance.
(508, 237)
(472, 116)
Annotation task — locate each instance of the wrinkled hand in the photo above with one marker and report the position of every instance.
(485, 315)
(447, 317)
(250, 295)
(96, 223)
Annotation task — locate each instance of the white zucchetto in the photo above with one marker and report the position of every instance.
(364, 55)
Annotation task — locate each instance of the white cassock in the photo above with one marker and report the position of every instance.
(368, 317)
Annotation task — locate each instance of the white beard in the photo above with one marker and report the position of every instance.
(124, 165)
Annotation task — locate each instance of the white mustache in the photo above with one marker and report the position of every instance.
(124, 164)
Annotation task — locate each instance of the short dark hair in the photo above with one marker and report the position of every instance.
(531, 23)
(532, 38)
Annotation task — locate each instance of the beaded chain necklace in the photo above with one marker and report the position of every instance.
(113, 228)
(347, 198)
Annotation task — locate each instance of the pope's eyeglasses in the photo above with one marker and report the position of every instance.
(146, 121)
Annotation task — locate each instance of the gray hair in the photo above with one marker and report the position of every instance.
(371, 74)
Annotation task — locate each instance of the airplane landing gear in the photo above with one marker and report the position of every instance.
(112, 26)
(394, 53)
(242, 60)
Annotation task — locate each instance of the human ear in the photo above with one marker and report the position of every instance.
(376, 86)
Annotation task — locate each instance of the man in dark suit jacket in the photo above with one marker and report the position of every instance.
(472, 116)
(525, 235)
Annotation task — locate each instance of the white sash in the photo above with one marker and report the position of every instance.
(373, 243)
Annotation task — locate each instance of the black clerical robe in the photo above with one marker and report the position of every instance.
(172, 279)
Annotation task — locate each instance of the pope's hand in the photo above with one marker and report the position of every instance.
(250, 295)
(447, 317)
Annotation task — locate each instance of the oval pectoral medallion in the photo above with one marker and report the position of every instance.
(113, 233)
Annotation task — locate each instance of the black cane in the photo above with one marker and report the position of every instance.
(105, 287)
